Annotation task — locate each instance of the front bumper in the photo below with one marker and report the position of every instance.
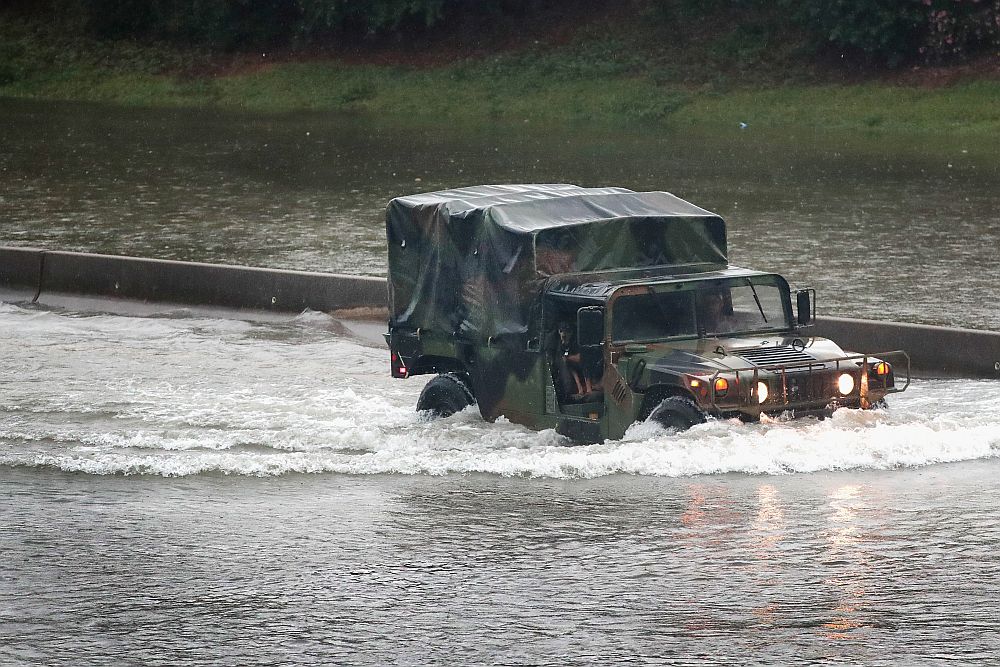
(806, 387)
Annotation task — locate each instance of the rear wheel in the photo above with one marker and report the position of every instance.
(445, 395)
(677, 412)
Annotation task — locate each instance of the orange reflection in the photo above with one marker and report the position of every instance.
(846, 546)
(769, 524)
(709, 515)
(694, 512)
(766, 613)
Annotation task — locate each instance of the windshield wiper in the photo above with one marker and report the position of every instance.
(757, 299)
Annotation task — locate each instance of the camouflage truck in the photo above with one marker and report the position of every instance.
(588, 309)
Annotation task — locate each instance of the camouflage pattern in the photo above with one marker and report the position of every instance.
(480, 278)
(471, 262)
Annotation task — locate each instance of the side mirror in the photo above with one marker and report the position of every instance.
(804, 301)
(590, 326)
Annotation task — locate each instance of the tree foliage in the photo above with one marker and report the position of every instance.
(883, 31)
(253, 23)
(897, 31)
(889, 32)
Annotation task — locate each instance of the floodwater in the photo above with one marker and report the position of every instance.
(181, 488)
(903, 228)
(177, 489)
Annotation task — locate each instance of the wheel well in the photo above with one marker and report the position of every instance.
(431, 364)
(655, 395)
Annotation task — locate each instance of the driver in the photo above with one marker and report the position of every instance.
(714, 315)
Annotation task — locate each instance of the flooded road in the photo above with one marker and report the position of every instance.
(897, 228)
(834, 567)
(184, 395)
(209, 491)
(186, 489)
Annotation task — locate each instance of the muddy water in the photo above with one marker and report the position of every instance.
(180, 489)
(186, 490)
(884, 227)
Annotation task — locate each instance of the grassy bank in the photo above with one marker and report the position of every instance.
(593, 77)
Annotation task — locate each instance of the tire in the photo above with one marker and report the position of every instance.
(445, 395)
(880, 404)
(677, 413)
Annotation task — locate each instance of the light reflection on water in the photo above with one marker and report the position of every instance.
(844, 540)
(886, 228)
(216, 570)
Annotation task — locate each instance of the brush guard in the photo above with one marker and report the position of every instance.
(810, 374)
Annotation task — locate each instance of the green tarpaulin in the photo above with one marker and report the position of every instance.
(472, 261)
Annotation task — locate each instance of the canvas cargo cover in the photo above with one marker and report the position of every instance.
(471, 261)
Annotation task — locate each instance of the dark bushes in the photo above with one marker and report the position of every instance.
(884, 30)
(889, 32)
(255, 23)
(898, 31)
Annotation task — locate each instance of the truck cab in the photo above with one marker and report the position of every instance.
(586, 310)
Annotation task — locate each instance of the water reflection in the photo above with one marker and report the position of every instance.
(710, 516)
(769, 523)
(386, 569)
(846, 555)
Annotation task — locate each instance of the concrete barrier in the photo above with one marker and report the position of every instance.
(35, 275)
(938, 351)
(166, 281)
(21, 271)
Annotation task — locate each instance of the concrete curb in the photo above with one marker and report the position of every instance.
(32, 275)
(44, 272)
(941, 351)
(21, 270)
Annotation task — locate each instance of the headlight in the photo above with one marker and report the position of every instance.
(721, 387)
(845, 384)
(761, 392)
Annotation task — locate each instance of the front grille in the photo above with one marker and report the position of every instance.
(775, 356)
(805, 387)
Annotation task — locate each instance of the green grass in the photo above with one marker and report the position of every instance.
(596, 78)
(967, 109)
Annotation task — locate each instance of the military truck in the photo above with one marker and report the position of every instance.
(589, 309)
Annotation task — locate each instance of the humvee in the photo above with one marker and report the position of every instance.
(589, 309)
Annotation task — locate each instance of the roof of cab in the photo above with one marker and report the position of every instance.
(585, 287)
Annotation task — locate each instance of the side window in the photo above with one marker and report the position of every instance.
(653, 316)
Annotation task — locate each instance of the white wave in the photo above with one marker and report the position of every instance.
(116, 395)
(461, 444)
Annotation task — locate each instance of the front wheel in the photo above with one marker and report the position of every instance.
(677, 413)
(445, 395)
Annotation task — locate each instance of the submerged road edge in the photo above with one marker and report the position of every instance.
(35, 275)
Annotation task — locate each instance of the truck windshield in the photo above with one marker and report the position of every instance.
(706, 309)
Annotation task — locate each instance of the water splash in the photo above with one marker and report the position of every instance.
(175, 397)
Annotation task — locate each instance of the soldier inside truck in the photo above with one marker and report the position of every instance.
(577, 373)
